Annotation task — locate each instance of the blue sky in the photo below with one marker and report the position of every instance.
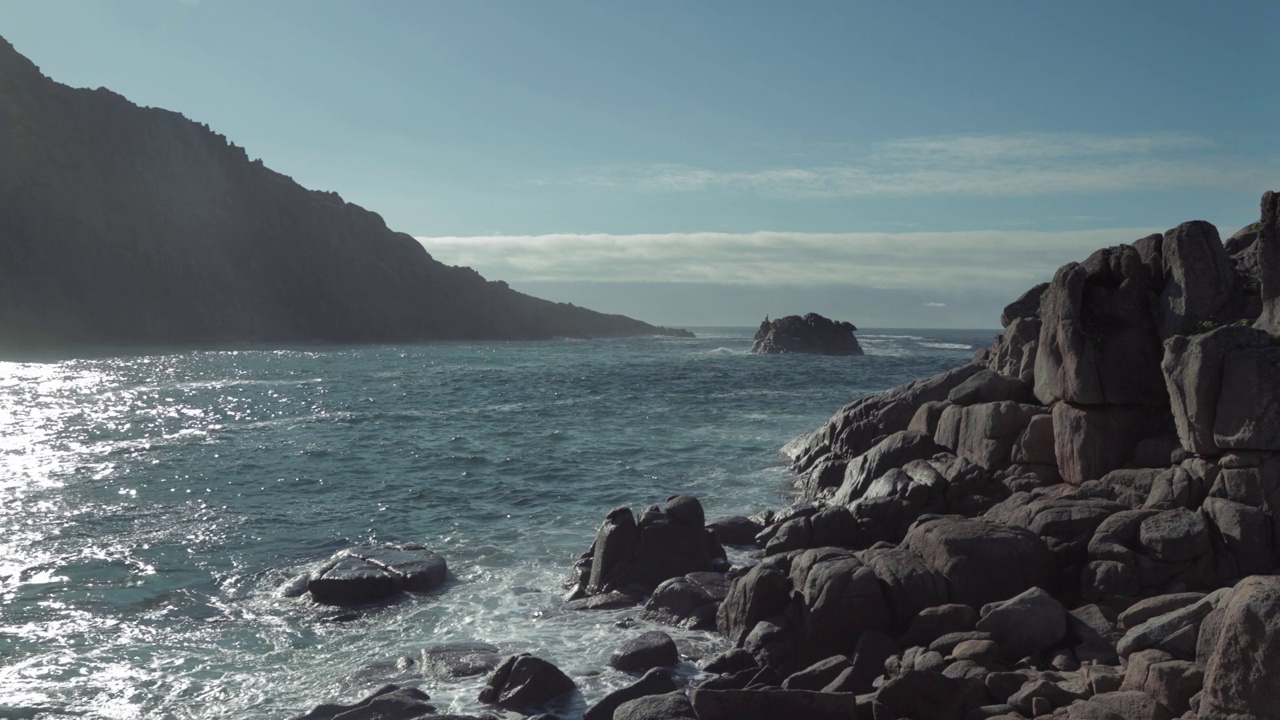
(891, 163)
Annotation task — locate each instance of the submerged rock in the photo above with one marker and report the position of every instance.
(812, 334)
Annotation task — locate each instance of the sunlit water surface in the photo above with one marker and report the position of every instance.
(152, 508)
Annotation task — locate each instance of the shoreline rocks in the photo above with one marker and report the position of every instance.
(1081, 524)
(811, 334)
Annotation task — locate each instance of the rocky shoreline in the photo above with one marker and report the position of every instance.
(1081, 524)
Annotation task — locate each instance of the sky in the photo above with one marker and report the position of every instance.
(895, 164)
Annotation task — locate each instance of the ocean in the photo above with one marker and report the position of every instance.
(153, 508)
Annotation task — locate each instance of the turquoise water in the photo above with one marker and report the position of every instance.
(153, 508)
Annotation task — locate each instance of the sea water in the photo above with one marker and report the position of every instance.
(154, 508)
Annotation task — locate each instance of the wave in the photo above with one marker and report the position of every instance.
(946, 346)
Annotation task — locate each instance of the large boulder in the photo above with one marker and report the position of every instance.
(812, 334)
(1025, 624)
(1091, 313)
(1248, 412)
(1193, 370)
(689, 601)
(762, 592)
(368, 574)
(1242, 679)
(841, 598)
(982, 562)
(1200, 285)
(1091, 441)
(985, 433)
(653, 649)
(525, 683)
(636, 556)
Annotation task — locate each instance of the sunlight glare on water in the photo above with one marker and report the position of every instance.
(154, 508)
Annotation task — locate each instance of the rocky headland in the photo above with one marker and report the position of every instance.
(812, 333)
(1081, 524)
(123, 226)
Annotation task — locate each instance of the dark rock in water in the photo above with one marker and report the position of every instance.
(636, 556)
(368, 574)
(649, 650)
(811, 334)
(389, 703)
(655, 682)
(459, 660)
(525, 683)
(131, 226)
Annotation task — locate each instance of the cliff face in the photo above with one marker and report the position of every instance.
(122, 225)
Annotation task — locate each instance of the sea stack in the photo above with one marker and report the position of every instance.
(813, 334)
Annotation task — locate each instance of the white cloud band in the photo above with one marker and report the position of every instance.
(1011, 260)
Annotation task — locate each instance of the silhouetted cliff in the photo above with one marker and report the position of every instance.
(122, 225)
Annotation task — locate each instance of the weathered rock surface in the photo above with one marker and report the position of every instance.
(132, 226)
(812, 334)
(1242, 675)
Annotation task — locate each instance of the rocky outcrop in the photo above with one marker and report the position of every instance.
(632, 557)
(127, 226)
(1083, 524)
(811, 334)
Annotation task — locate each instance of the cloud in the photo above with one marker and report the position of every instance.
(1014, 165)
(932, 262)
(935, 304)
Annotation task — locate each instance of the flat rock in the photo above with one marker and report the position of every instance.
(368, 574)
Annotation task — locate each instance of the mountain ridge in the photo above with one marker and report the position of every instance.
(123, 226)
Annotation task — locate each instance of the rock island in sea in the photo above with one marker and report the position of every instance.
(811, 334)
(1083, 523)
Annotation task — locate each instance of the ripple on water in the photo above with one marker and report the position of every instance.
(153, 509)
